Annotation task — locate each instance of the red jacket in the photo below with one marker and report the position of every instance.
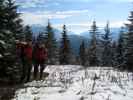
(20, 50)
(40, 54)
(28, 52)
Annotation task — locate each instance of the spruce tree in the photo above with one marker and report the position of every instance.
(9, 69)
(28, 33)
(120, 48)
(51, 44)
(65, 49)
(82, 54)
(106, 47)
(41, 38)
(2, 19)
(129, 45)
(93, 46)
(13, 22)
(114, 54)
(2, 15)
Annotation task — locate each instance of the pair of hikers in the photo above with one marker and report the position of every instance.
(31, 55)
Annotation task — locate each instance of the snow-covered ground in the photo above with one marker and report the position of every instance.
(74, 83)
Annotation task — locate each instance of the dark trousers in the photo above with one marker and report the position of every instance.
(26, 70)
(29, 68)
(23, 69)
(36, 68)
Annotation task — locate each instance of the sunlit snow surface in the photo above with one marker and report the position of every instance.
(71, 82)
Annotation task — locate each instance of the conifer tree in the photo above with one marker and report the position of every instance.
(2, 15)
(41, 38)
(13, 22)
(82, 54)
(93, 47)
(129, 45)
(65, 49)
(106, 46)
(120, 48)
(51, 45)
(9, 69)
(114, 54)
(28, 33)
(2, 19)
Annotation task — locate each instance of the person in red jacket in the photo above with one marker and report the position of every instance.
(40, 57)
(20, 47)
(28, 60)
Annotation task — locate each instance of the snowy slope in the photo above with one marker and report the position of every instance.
(74, 83)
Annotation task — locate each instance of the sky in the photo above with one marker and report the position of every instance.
(76, 14)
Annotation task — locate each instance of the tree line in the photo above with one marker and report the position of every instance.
(101, 50)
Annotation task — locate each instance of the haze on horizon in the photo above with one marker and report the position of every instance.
(76, 14)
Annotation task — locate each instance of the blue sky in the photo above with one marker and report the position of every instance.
(76, 14)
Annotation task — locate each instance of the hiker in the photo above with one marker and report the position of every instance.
(28, 60)
(20, 46)
(20, 50)
(40, 57)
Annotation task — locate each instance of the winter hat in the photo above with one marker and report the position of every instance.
(24, 43)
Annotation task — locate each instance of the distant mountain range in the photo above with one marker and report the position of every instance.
(75, 39)
(38, 28)
(114, 33)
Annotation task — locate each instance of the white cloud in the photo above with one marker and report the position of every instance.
(30, 18)
(99, 24)
(56, 4)
(118, 23)
(73, 12)
(30, 3)
(40, 16)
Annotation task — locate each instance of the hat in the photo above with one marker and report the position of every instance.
(24, 43)
(43, 45)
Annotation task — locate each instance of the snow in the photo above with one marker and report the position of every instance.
(2, 42)
(1, 56)
(71, 82)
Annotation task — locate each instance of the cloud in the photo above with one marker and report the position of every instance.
(30, 19)
(99, 24)
(43, 3)
(73, 12)
(30, 3)
(39, 16)
(76, 14)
